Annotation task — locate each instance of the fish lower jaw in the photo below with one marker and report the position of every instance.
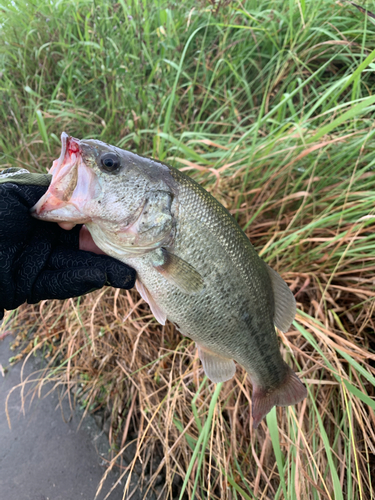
(67, 216)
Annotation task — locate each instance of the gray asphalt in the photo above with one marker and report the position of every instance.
(43, 457)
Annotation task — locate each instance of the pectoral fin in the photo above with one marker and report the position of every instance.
(147, 297)
(285, 303)
(217, 368)
(178, 272)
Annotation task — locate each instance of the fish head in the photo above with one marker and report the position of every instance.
(109, 190)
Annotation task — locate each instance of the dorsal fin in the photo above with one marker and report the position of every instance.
(285, 303)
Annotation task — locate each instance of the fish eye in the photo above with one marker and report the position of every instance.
(110, 162)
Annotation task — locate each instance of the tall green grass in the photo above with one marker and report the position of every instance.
(270, 105)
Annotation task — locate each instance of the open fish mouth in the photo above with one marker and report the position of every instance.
(73, 185)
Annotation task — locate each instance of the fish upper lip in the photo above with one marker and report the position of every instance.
(66, 142)
(64, 181)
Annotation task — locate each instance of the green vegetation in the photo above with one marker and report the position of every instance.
(270, 106)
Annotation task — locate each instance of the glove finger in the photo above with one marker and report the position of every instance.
(69, 238)
(66, 283)
(118, 274)
(69, 258)
(23, 195)
(15, 202)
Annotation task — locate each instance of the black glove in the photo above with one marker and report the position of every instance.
(39, 260)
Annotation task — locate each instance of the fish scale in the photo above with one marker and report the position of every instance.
(195, 266)
(248, 285)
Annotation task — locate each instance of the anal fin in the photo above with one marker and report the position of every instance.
(285, 303)
(147, 297)
(216, 367)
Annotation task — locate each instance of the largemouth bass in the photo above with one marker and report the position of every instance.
(195, 265)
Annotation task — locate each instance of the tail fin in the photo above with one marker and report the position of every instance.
(289, 392)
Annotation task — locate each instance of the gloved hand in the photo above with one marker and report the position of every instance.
(40, 260)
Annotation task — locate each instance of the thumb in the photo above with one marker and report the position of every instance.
(87, 243)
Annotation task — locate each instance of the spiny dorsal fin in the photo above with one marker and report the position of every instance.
(217, 368)
(178, 272)
(285, 303)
